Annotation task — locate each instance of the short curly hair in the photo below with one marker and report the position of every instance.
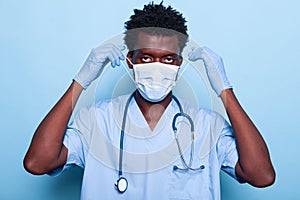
(156, 19)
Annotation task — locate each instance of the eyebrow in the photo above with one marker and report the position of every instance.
(172, 54)
(149, 54)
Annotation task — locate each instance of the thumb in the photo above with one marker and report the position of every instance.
(195, 54)
(121, 47)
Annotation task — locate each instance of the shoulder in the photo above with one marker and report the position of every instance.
(116, 103)
(102, 108)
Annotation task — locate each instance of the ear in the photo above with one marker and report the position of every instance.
(129, 57)
(180, 60)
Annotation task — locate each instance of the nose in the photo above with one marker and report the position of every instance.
(157, 59)
(158, 74)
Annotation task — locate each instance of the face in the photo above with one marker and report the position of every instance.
(156, 48)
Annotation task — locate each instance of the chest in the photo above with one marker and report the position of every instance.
(163, 183)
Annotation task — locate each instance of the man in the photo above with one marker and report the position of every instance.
(130, 138)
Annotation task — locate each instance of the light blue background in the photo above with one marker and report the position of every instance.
(43, 45)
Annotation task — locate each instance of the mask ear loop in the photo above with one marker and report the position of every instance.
(181, 70)
(127, 69)
(129, 60)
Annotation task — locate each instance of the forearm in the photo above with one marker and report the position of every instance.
(46, 145)
(254, 160)
(46, 151)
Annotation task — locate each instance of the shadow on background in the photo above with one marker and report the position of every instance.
(231, 189)
(65, 186)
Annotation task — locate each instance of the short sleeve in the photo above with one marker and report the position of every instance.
(76, 141)
(227, 151)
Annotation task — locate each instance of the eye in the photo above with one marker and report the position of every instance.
(168, 60)
(146, 59)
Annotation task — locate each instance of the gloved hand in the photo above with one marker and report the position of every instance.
(214, 68)
(95, 62)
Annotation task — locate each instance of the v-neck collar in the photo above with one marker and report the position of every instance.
(138, 121)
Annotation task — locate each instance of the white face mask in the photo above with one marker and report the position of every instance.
(155, 80)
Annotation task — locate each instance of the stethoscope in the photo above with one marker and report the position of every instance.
(122, 183)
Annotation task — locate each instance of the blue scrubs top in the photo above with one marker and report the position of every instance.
(93, 140)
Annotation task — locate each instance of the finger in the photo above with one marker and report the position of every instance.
(210, 53)
(193, 54)
(111, 47)
(121, 48)
(117, 62)
(110, 52)
(192, 50)
(116, 54)
(196, 54)
(101, 53)
(112, 60)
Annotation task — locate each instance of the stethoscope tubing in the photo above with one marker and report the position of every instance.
(122, 134)
(187, 166)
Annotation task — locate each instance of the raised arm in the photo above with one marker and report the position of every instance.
(254, 165)
(46, 151)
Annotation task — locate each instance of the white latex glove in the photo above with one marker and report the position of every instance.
(95, 62)
(214, 68)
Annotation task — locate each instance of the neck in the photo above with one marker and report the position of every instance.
(152, 111)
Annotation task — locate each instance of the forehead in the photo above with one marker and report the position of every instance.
(168, 44)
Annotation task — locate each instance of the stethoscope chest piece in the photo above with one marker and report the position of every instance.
(121, 184)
